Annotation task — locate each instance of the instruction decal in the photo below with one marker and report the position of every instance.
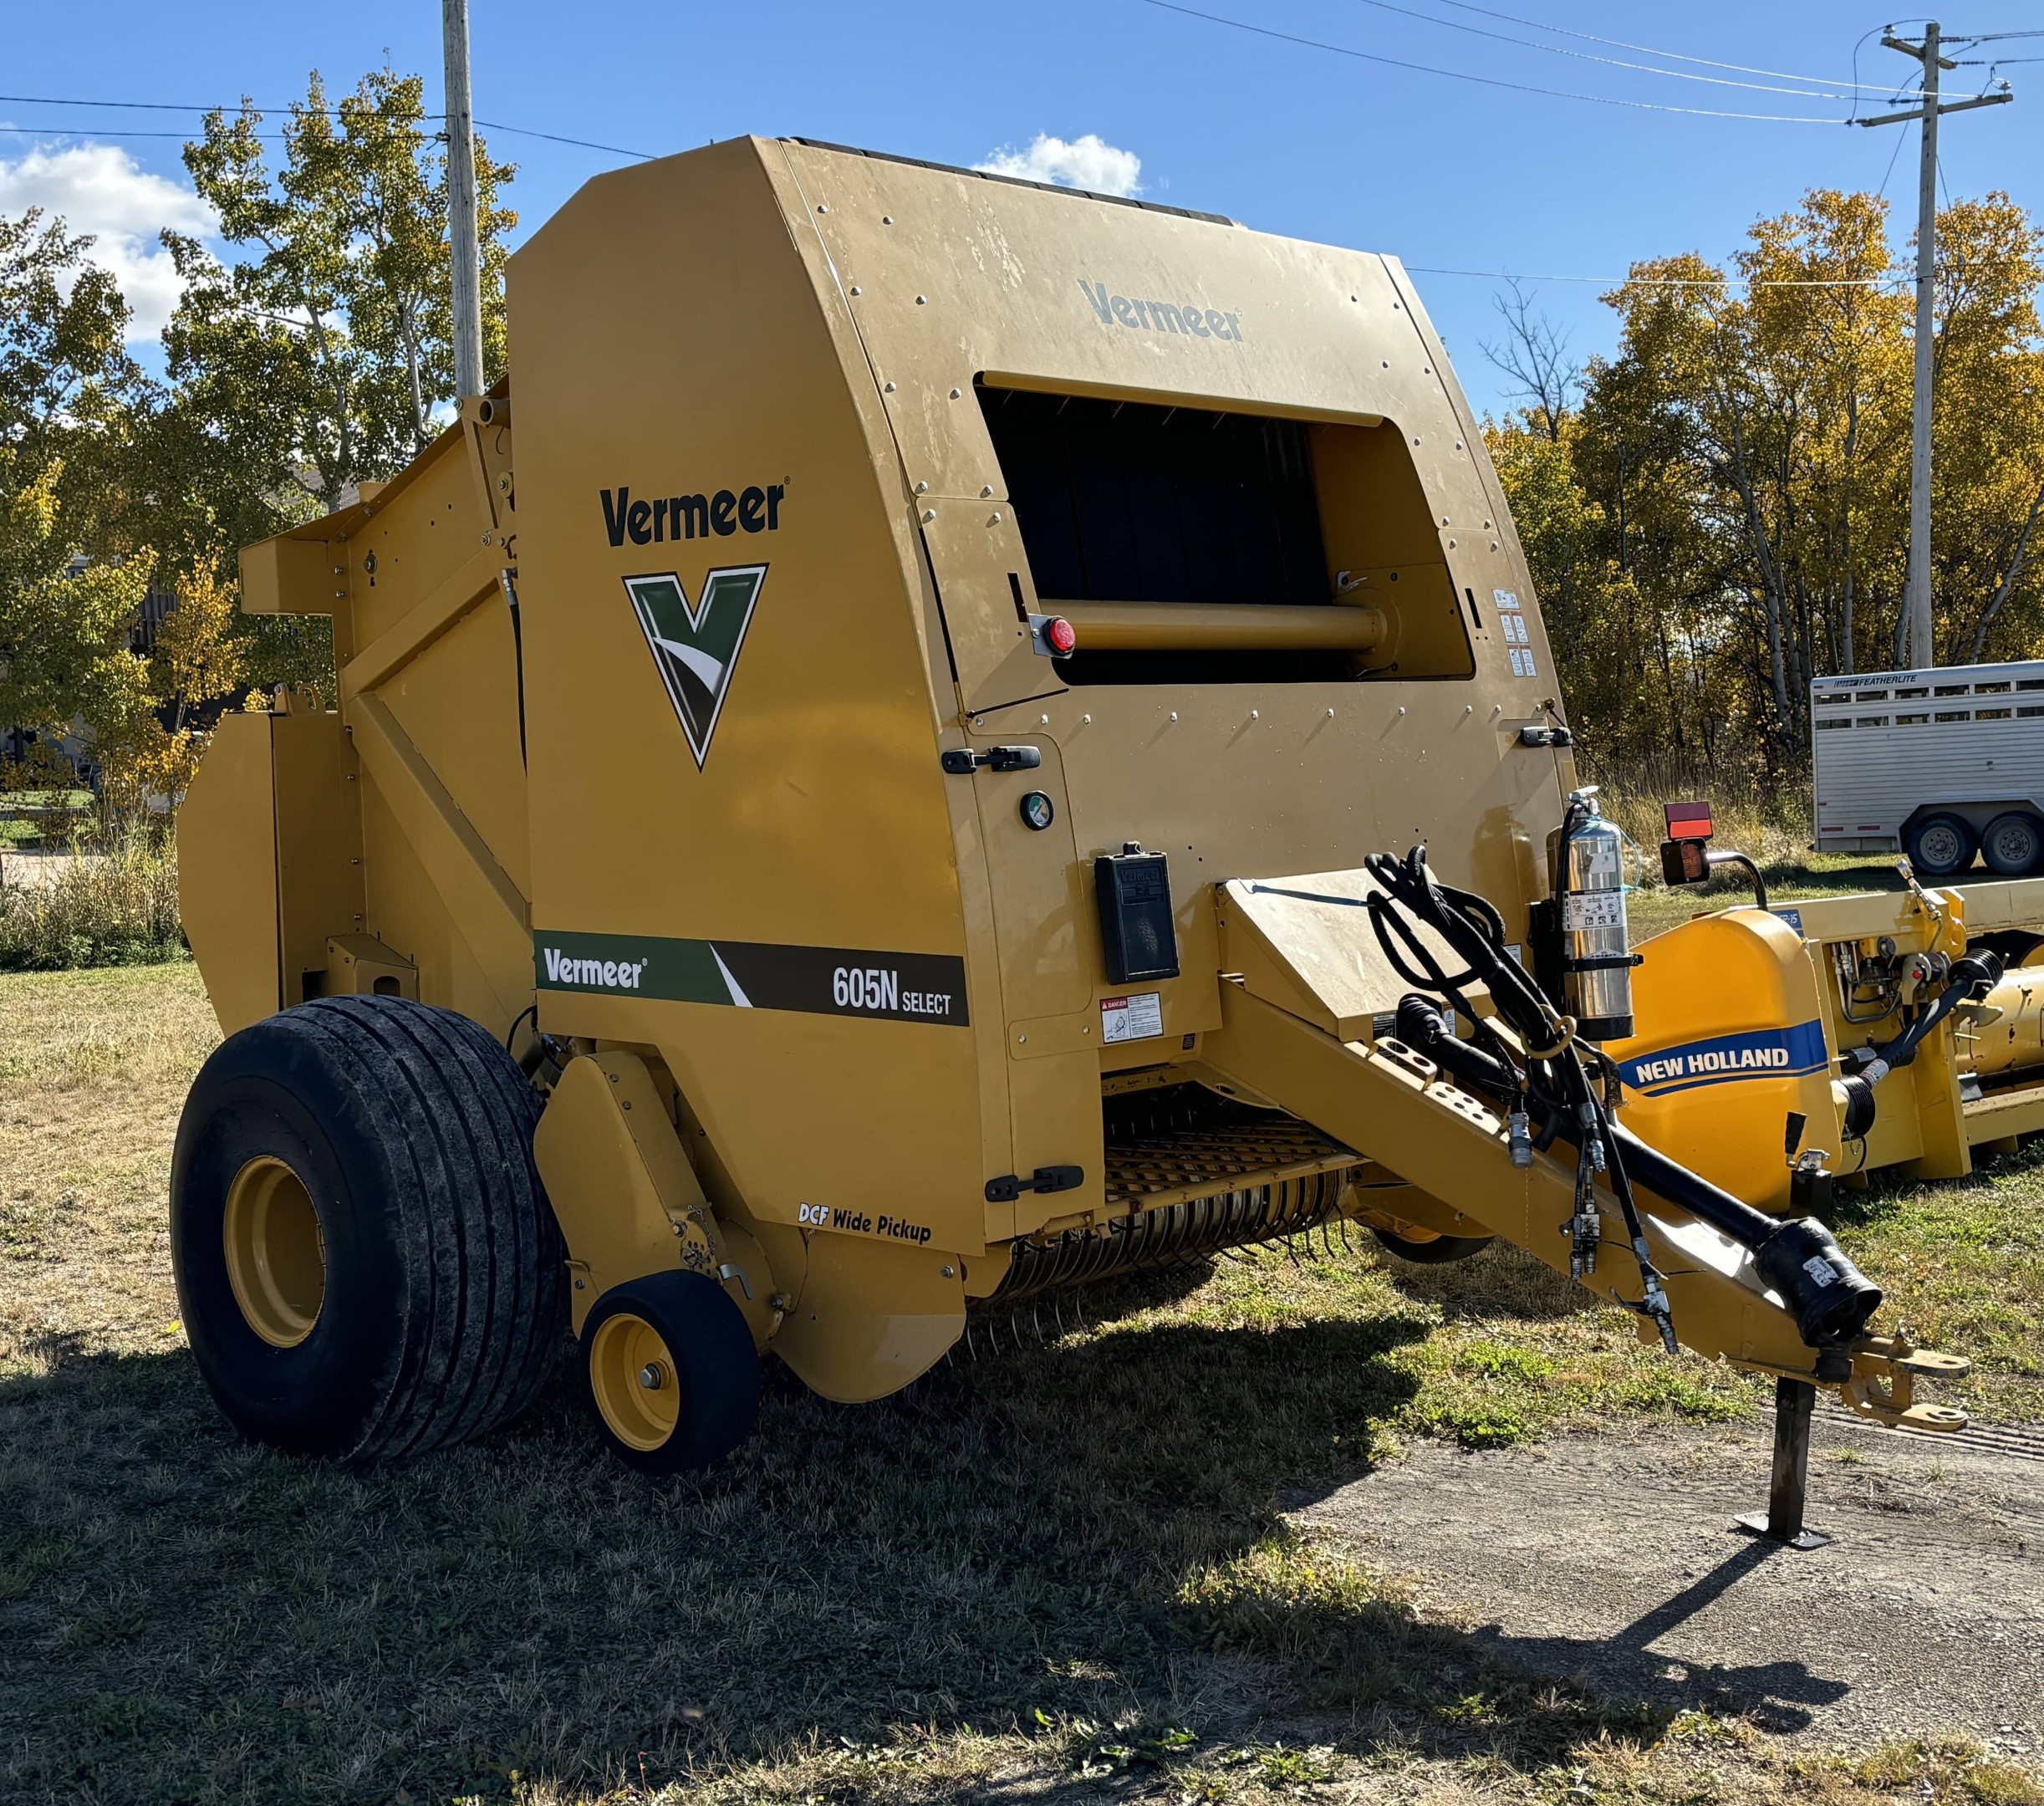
(1132, 1018)
(918, 988)
(1512, 627)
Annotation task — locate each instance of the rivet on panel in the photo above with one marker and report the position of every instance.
(994, 519)
(887, 388)
(1174, 714)
(1021, 1040)
(857, 290)
(1444, 520)
(823, 206)
(1458, 445)
(887, 219)
(1486, 526)
(1254, 715)
(985, 490)
(1493, 545)
(1085, 719)
(1401, 709)
(955, 393)
(1452, 545)
(1046, 720)
(1415, 438)
(930, 513)
(922, 300)
(922, 488)
(1330, 714)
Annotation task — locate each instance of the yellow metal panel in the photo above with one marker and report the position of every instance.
(474, 894)
(819, 816)
(627, 1201)
(289, 575)
(227, 871)
(359, 965)
(456, 701)
(872, 1317)
(318, 843)
(476, 580)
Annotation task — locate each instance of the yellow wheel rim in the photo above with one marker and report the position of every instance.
(277, 1257)
(632, 1375)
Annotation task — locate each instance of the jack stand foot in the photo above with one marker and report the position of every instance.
(1782, 1520)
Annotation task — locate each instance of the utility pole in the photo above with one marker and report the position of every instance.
(462, 203)
(1922, 651)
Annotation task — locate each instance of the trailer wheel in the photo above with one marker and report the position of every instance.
(2013, 843)
(366, 1266)
(1942, 844)
(1424, 1250)
(672, 1371)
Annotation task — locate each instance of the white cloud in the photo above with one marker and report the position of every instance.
(100, 189)
(1088, 162)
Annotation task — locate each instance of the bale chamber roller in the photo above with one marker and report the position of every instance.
(873, 740)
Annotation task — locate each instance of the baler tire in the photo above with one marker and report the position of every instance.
(433, 1302)
(703, 1399)
(1437, 1252)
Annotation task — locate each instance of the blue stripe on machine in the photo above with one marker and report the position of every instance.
(1791, 1053)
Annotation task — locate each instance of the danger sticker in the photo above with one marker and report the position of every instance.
(1592, 909)
(1132, 1018)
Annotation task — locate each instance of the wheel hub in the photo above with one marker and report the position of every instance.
(632, 1373)
(276, 1252)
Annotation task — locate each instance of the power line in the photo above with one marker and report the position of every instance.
(170, 106)
(526, 131)
(1586, 56)
(1619, 43)
(1487, 81)
(1675, 281)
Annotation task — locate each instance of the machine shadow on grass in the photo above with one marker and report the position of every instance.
(1087, 1531)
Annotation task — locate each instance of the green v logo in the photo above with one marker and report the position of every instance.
(695, 650)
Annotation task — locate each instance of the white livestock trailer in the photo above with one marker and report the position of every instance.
(1938, 764)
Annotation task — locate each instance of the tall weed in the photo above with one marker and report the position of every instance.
(112, 903)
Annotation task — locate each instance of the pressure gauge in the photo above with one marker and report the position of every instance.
(1036, 811)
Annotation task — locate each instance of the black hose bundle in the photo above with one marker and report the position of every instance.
(1829, 1299)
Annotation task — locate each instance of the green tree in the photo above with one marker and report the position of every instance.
(66, 388)
(321, 358)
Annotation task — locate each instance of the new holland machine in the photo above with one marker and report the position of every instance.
(940, 739)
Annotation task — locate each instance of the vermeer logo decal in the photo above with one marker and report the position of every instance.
(696, 648)
(1170, 317)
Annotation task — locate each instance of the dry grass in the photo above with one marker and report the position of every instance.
(1059, 1573)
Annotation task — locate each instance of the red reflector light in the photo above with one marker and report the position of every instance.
(1059, 635)
(1688, 821)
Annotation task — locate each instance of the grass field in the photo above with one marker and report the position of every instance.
(1057, 1571)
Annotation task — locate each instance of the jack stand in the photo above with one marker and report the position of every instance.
(1782, 1520)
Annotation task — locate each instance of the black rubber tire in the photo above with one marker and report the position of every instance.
(2013, 843)
(444, 1303)
(714, 1364)
(1931, 829)
(1437, 1252)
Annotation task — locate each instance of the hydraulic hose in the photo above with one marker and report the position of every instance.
(1830, 1300)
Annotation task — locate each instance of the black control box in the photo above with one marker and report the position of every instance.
(1135, 891)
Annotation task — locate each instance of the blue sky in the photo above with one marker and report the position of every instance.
(1445, 173)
